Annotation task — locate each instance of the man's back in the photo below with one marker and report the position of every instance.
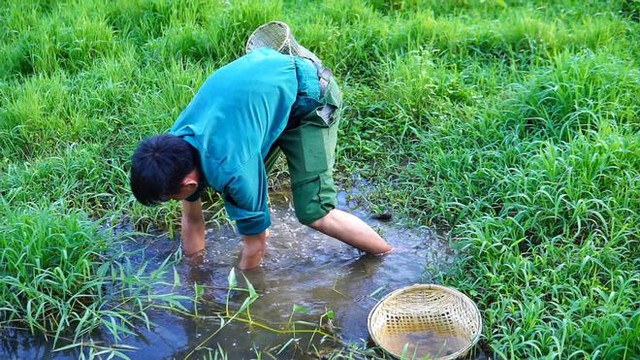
(239, 112)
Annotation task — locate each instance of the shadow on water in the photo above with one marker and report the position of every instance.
(302, 269)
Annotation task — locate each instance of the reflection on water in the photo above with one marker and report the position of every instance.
(301, 268)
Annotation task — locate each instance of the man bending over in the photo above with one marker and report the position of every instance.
(227, 138)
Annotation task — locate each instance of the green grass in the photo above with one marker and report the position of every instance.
(514, 124)
(62, 276)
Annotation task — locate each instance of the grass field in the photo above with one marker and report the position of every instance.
(514, 124)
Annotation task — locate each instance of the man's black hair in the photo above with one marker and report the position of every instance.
(158, 167)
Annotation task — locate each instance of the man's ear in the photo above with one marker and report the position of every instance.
(190, 180)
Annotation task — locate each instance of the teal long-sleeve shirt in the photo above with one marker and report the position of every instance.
(233, 120)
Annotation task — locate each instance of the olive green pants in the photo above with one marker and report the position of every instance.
(309, 145)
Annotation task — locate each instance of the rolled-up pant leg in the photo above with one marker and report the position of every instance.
(310, 152)
(309, 143)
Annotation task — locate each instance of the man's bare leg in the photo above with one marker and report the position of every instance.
(352, 230)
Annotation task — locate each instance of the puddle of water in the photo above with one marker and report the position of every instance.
(301, 268)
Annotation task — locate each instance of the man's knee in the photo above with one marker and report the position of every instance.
(314, 199)
(319, 223)
(310, 215)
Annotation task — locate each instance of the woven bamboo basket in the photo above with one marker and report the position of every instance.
(425, 320)
(277, 35)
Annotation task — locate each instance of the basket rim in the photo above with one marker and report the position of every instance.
(442, 288)
(259, 28)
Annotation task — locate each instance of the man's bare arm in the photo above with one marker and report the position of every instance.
(253, 250)
(192, 227)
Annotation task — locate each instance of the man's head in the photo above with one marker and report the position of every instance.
(164, 167)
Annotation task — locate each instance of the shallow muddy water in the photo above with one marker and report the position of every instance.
(302, 269)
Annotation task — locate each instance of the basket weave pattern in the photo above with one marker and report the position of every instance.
(425, 308)
(277, 35)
